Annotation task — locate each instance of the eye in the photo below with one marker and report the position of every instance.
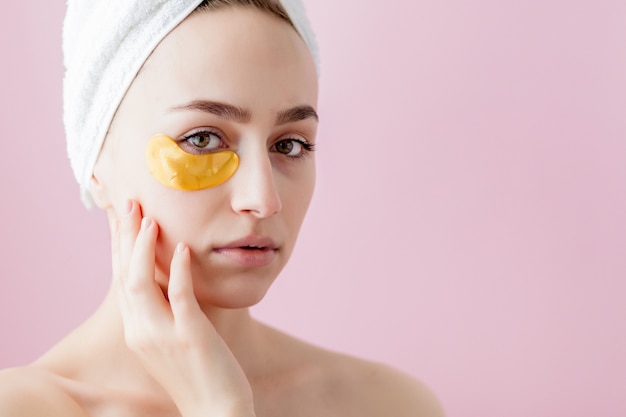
(200, 142)
(293, 148)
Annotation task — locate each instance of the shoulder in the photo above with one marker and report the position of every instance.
(28, 391)
(382, 390)
(315, 381)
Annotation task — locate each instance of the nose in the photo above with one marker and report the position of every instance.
(253, 187)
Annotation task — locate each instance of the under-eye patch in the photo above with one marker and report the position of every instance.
(175, 168)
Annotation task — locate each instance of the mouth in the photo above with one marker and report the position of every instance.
(253, 247)
(249, 252)
(252, 243)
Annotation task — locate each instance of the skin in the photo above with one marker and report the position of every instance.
(174, 336)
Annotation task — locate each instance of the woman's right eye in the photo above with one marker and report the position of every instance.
(201, 142)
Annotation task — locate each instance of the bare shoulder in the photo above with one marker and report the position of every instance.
(28, 391)
(321, 382)
(383, 390)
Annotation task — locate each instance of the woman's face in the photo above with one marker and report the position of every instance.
(241, 79)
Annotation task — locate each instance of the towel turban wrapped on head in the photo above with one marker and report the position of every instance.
(105, 44)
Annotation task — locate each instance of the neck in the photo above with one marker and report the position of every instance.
(97, 350)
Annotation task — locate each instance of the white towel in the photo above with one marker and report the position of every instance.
(105, 44)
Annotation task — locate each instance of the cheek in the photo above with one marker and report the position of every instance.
(296, 197)
(183, 216)
(176, 224)
(130, 178)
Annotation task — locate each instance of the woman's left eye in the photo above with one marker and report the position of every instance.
(294, 148)
(201, 142)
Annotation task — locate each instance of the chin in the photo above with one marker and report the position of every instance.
(234, 290)
(225, 286)
(231, 295)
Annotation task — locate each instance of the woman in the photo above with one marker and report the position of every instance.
(174, 335)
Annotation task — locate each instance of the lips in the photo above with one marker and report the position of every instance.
(251, 251)
(251, 242)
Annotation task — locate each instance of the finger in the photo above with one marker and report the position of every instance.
(142, 291)
(125, 229)
(129, 229)
(115, 263)
(180, 288)
(114, 229)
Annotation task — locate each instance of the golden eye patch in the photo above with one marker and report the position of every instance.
(175, 168)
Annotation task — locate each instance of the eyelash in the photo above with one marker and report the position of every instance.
(186, 141)
(307, 147)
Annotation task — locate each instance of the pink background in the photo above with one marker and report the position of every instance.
(469, 224)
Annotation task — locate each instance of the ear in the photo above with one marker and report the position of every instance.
(99, 193)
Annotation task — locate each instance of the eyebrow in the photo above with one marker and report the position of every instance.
(223, 110)
(296, 114)
(241, 115)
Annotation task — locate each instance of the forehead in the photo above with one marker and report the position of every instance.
(236, 54)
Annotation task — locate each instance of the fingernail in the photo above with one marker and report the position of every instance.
(180, 247)
(145, 223)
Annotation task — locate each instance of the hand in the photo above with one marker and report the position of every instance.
(171, 336)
